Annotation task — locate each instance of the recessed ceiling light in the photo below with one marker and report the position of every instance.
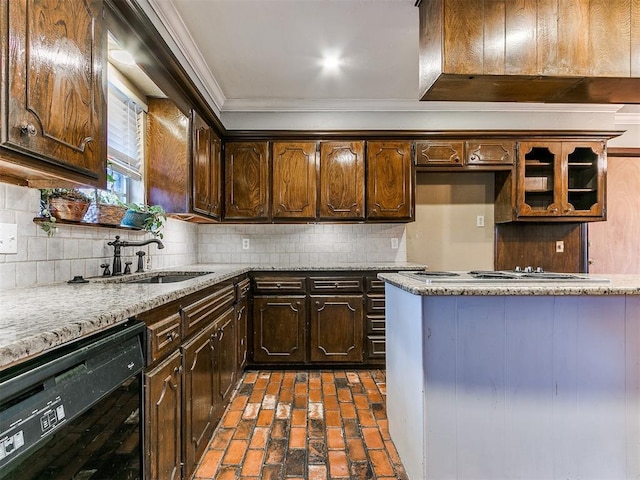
(122, 56)
(332, 62)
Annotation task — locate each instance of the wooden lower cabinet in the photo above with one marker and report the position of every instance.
(224, 351)
(279, 329)
(201, 397)
(242, 317)
(336, 330)
(163, 419)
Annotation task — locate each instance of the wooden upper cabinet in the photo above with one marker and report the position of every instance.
(52, 87)
(246, 172)
(390, 181)
(294, 180)
(206, 169)
(535, 51)
(167, 156)
(342, 180)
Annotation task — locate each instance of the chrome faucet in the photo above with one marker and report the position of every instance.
(117, 244)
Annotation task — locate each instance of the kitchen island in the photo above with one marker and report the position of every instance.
(491, 380)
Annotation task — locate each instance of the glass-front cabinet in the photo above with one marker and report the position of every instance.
(561, 179)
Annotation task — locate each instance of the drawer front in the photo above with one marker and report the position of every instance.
(448, 153)
(374, 284)
(376, 324)
(336, 284)
(199, 313)
(280, 284)
(376, 303)
(242, 289)
(376, 346)
(163, 337)
(490, 152)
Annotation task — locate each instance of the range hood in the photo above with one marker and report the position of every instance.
(583, 51)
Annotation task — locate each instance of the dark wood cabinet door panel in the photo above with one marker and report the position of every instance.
(53, 82)
(242, 316)
(246, 181)
(389, 181)
(294, 180)
(225, 345)
(449, 153)
(337, 328)
(279, 329)
(490, 152)
(200, 397)
(206, 166)
(342, 180)
(163, 418)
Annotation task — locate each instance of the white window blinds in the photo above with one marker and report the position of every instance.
(125, 125)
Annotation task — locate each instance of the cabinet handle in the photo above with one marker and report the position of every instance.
(28, 129)
(171, 336)
(278, 285)
(457, 159)
(178, 370)
(221, 332)
(317, 304)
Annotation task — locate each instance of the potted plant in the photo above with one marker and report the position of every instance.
(147, 217)
(67, 204)
(109, 209)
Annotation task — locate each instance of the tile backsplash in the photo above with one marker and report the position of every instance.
(75, 250)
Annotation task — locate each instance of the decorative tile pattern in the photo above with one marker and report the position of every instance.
(315, 425)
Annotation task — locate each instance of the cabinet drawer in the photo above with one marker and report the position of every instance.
(374, 284)
(243, 287)
(163, 336)
(490, 152)
(336, 284)
(279, 284)
(375, 303)
(201, 312)
(376, 324)
(376, 346)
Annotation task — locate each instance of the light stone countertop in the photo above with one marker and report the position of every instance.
(617, 285)
(36, 319)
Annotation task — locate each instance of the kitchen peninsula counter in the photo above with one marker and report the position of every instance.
(36, 319)
(504, 380)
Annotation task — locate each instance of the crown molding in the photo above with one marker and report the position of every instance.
(168, 15)
(627, 118)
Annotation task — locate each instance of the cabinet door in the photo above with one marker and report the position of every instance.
(337, 324)
(584, 179)
(53, 84)
(200, 397)
(246, 181)
(225, 347)
(490, 152)
(294, 180)
(440, 153)
(390, 181)
(540, 171)
(162, 426)
(342, 180)
(279, 329)
(206, 169)
(242, 316)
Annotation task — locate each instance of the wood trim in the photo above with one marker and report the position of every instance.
(623, 152)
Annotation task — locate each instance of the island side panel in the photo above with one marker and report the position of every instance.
(632, 350)
(405, 377)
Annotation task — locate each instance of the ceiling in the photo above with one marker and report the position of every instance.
(266, 54)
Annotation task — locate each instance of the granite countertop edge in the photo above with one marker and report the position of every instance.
(36, 319)
(617, 285)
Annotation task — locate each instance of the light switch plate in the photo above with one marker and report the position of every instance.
(8, 238)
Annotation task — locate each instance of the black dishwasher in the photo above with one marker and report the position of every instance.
(74, 412)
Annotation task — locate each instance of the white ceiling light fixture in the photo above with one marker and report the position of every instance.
(332, 62)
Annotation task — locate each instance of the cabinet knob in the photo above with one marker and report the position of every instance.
(278, 285)
(554, 210)
(171, 336)
(28, 129)
(178, 370)
(457, 159)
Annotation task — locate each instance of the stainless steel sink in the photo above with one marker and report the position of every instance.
(153, 277)
(168, 277)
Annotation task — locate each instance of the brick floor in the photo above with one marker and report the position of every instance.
(314, 425)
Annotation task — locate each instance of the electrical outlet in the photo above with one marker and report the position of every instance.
(394, 243)
(245, 244)
(559, 246)
(8, 238)
(480, 221)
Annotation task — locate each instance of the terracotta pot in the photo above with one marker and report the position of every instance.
(109, 214)
(66, 209)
